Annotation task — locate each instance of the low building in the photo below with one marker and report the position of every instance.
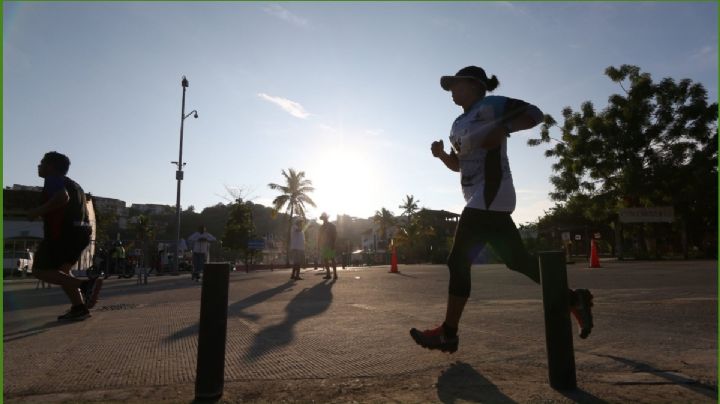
(152, 208)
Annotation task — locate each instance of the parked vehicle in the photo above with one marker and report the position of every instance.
(17, 263)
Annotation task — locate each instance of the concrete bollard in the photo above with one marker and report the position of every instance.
(210, 376)
(558, 329)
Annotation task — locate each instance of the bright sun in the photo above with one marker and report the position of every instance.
(344, 183)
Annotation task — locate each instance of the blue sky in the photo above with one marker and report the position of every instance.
(347, 92)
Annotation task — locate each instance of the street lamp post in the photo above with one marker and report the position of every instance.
(179, 173)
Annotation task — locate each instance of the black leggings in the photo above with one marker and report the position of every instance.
(478, 228)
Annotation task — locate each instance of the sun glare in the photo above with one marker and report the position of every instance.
(344, 182)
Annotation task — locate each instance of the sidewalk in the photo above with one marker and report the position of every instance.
(313, 340)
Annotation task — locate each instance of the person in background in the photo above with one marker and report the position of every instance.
(297, 248)
(327, 236)
(200, 241)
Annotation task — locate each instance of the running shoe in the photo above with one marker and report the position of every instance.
(90, 290)
(581, 310)
(78, 313)
(435, 339)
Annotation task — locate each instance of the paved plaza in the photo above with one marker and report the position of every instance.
(314, 340)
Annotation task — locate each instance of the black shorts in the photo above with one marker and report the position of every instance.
(52, 254)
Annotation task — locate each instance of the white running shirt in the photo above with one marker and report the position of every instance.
(486, 179)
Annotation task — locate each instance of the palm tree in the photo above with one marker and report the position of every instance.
(411, 235)
(384, 219)
(293, 198)
(409, 206)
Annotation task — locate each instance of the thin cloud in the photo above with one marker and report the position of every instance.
(707, 55)
(511, 7)
(327, 128)
(284, 14)
(291, 107)
(374, 132)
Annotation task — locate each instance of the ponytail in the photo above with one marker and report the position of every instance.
(492, 83)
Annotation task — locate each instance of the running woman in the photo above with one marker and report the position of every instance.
(479, 152)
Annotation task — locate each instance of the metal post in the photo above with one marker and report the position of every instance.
(558, 330)
(179, 178)
(209, 380)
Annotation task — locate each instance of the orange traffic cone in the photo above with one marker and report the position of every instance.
(393, 261)
(594, 259)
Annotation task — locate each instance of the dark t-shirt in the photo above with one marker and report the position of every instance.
(327, 235)
(73, 214)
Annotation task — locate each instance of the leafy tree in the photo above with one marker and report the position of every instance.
(413, 236)
(294, 195)
(350, 230)
(239, 227)
(143, 228)
(653, 145)
(384, 219)
(106, 224)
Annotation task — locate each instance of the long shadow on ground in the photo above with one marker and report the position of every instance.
(461, 383)
(671, 376)
(236, 309)
(32, 298)
(28, 332)
(308, 303)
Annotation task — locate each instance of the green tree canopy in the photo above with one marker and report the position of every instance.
(239, 227)
(655, 144)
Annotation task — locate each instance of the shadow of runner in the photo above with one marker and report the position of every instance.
(14, 300)
(405, 275)
(672, 377)
(236, 309)
(12, 336)
(581, 396)
(461, 382)
(308, 303)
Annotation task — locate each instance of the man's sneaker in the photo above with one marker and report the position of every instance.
(78, 313)
(435, 339)
(581, 309)
(90, 290)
